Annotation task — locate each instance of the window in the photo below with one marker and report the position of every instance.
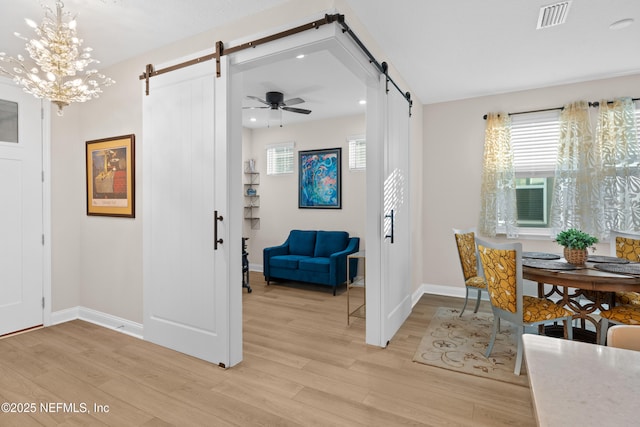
(532, 201)
(8, 121)
(357, 153)
(280, 158)
(534, 138)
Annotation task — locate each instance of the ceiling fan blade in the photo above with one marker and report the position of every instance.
(256, 108)
(293, 101)
(296, 110)
(258, 99)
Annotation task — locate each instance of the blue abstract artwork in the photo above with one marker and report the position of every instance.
(319, 179)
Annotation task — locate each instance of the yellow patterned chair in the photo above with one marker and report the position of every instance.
(471, 270)
(502, 266)
(619, 315)
(627, 246)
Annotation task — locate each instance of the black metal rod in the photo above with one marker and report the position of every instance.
(591, 104)
(382, 68)
(220, 51)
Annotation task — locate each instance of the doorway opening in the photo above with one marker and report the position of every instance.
(320, 83)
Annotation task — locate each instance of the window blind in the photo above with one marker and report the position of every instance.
(534, 139)
(357, 153)
(280, 158)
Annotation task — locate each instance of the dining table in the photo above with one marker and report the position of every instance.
(584, 289)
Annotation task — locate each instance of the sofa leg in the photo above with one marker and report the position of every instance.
(334, 291)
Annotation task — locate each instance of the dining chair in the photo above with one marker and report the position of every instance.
(626, 245)
(471, 269)
(502, 266)
(624, 336)
(628, 314)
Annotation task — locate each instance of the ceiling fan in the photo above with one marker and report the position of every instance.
(275, 101)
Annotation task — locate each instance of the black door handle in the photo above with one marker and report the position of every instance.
(390, 236)
(215, 230)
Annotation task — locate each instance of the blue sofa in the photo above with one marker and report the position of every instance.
(312, 256)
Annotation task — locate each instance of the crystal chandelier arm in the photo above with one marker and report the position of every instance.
(58, 55)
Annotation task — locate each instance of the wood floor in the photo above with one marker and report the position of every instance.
(303, 366)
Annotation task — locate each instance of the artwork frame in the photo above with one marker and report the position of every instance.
(320, 179)
(110, 179)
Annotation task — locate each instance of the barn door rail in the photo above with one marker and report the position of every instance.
(150, 71)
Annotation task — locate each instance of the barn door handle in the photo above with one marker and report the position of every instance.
(390, 236)
(215, 230)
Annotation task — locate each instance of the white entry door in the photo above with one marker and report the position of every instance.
(395, 286)
(186, 260)
(21, 210)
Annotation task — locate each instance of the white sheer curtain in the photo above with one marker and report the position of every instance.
(498, 191)
(616, 136)
(577, 201)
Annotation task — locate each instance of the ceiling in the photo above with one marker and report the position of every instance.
(445, 50)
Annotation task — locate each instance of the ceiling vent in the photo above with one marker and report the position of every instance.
(553, 14)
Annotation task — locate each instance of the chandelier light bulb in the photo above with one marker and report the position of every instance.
(58, 54)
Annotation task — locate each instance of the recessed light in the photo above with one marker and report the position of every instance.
(623, 23)
(300, 56)
(253, 119)
(362, 102)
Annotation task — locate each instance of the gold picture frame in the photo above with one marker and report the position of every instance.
(111, 176)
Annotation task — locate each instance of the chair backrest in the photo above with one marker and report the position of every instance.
(625, 245)
(502, 265)
(624, 336)
(466, 244)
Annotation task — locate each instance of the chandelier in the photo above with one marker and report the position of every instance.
(61, 74)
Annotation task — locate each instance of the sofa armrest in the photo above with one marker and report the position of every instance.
(272, 251)
(338, 262)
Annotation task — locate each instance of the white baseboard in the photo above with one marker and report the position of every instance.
(135, 329)
(102, 319)
(65, 315)
(445, 291)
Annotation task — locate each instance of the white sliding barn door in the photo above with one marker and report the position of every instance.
(391, 155)
(21, 210)
(186, 279)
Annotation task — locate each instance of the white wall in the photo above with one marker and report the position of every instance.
(454, 138)
(279, 212)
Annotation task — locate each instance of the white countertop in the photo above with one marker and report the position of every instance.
(579, 384)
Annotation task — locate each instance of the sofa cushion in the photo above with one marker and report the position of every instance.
(286, 261)
(302, 242)
(330, 242)
(319, 265)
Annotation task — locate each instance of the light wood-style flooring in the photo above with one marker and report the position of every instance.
(303, 366)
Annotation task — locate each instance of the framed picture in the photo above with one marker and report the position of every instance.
(319, 179)
(111, 176)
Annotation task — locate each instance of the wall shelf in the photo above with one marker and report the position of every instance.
(251, 197)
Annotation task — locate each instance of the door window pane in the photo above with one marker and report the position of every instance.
(8, 121)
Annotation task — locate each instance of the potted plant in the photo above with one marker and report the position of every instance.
(575, 244)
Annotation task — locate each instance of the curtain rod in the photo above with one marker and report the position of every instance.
(591, 104)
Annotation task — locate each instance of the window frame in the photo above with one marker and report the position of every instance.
(357, 159)
(282, 165)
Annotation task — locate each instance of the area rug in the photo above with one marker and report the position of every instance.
(459, 343)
